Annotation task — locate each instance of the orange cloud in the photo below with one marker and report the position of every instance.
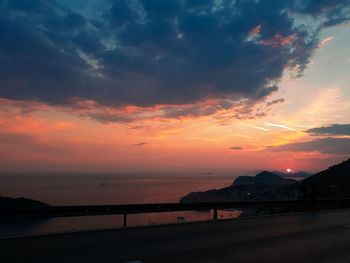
(64, 125)
(52, 137)
(326, 41)
(279, 40)
(255, 31)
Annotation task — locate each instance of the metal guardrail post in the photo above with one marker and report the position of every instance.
(215, 214)
(124, 220)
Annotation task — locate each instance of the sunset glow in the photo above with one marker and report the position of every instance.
(174, 130)
(122, 95)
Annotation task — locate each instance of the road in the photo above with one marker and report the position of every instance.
(309, 237)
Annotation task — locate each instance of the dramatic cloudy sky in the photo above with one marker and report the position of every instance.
(184, 85)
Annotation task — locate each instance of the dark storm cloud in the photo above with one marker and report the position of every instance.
(140, 144)
(147, 52)
(324, 145)
(236, 148)
(334, 129)
(106, 118)
(270, 103)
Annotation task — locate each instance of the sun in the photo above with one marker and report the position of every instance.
(289, 170)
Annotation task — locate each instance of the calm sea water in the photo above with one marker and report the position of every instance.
(94, 189)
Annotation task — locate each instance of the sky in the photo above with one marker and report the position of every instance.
(174, 85)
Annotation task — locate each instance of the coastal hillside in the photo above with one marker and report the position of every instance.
(333, 182)
(263, 186)
(20, 202)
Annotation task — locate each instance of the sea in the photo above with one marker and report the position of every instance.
(107, 189)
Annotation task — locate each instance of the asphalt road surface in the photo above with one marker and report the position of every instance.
(309, 237)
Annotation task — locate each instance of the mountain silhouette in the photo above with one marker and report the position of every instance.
(263, 186)
(333, 182)
(20, 202)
